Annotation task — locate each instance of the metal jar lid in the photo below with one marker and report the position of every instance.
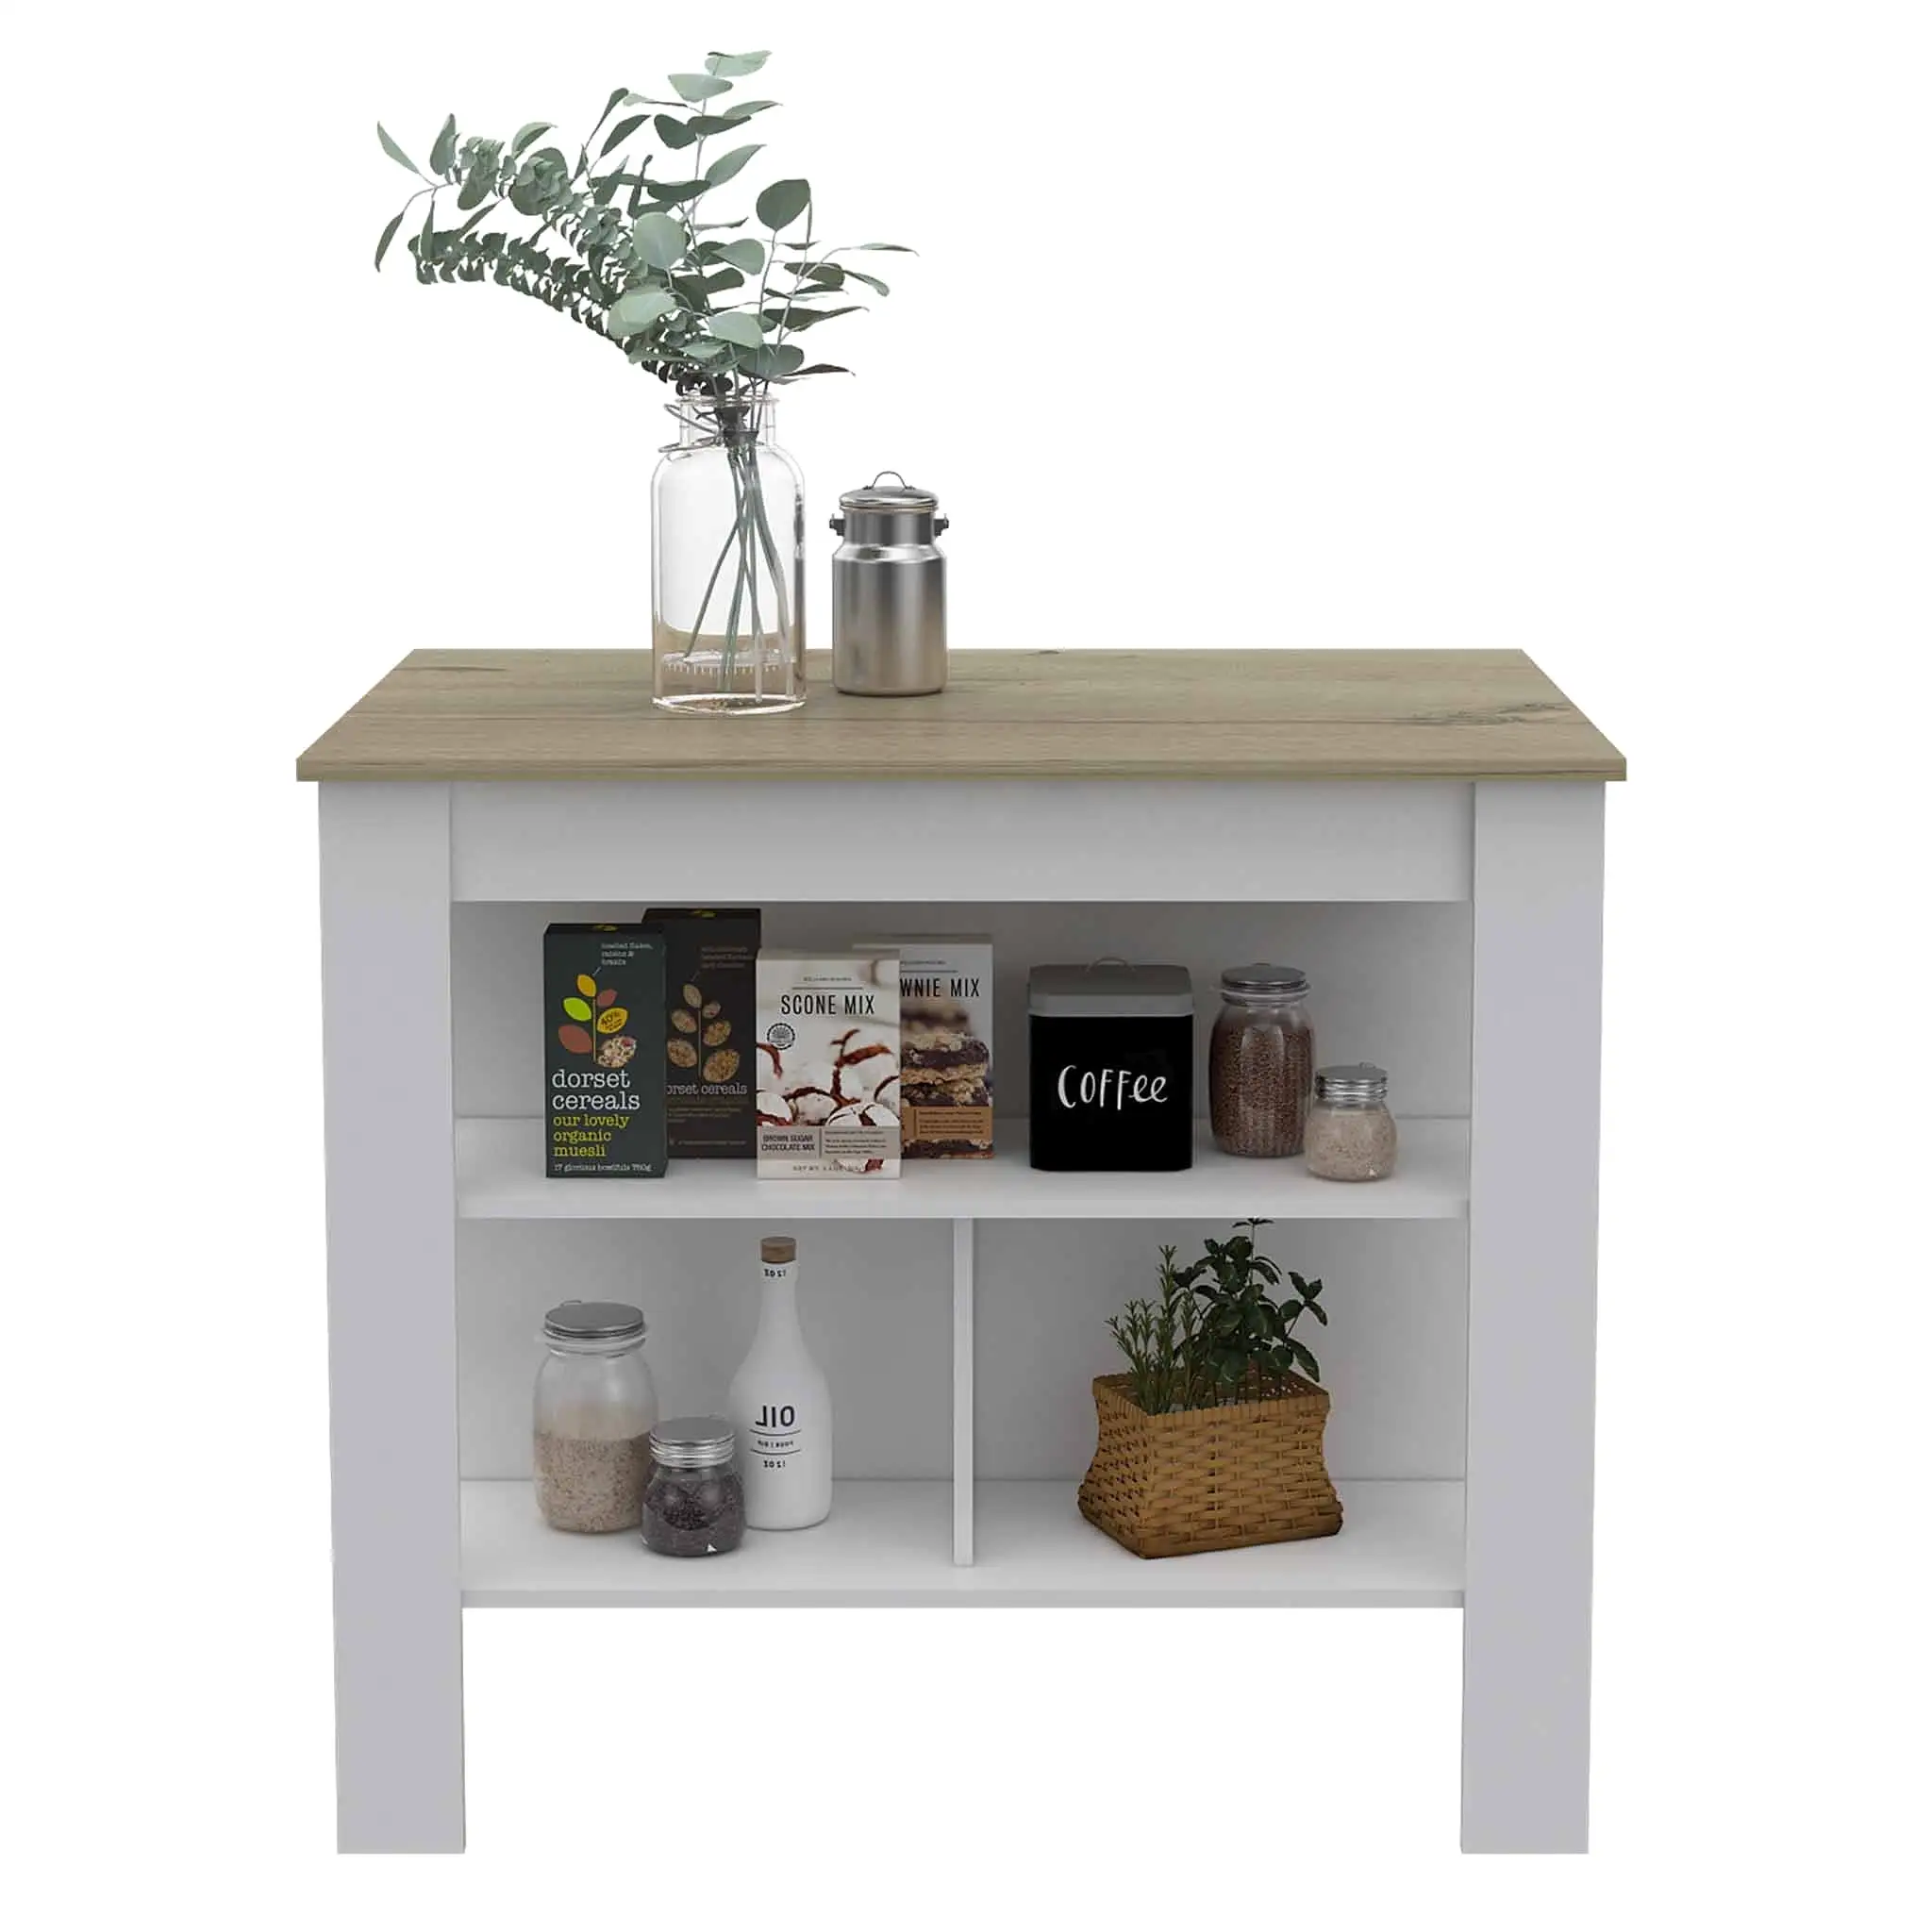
(901, 496)
(593, 1321)
(1108, 989)
(694, 1441)
(1280, 982)
(1355, 1085)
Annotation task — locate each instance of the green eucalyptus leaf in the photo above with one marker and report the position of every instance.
(822, 369)
(706, 350)
(671, 192)
(704, 125)
(473, 191)
(395, 153)
(618, 95)
(388, 235)
(735, 66)
(657, 240)
(783, 202)
(794, 316)
(743, 110)
(674, 132)
(888, 247)
(745, 330)
(727, 165)
(530, 131)
(872, 282)
(699, 87)
(748, 255)
(636, 309)
(444, 151)
(622, 133)
(827, 275)
(425, 242)
(772, 361)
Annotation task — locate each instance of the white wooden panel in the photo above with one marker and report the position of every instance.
(500, 1176)
(391, 1301)
(1392, 1355)
(1390, 983)
(1042, 840)
(963, 1284)
(875, 1301)
(1532, 1317)
(888, 1543)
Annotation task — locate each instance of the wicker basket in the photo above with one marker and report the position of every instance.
(1209, 1478)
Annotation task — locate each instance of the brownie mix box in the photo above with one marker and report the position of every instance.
(828, 1063)
(710, 994)
(945, 1045)
(604, 1088)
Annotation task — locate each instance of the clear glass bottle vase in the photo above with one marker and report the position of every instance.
(727, 560)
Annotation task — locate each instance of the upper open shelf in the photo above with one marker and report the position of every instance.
(500, 1177)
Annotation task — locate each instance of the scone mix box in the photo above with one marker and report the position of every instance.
(711, 964)
(603, 1084)
(945, 1044)
(828, 1063)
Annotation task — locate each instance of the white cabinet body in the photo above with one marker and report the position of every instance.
(1453, 933)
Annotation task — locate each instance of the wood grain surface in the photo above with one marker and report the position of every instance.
(466, 715)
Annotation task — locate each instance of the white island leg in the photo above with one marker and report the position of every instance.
(1532, 1316)
(391, 1317)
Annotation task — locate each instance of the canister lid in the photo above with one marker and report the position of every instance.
(1106, 987)
(593, 1321)
(1359, 1084)
(902, 496)
(692, 1442)
(1262, 978)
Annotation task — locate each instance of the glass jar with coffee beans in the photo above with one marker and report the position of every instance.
(694, 1504)
(1260, 1059)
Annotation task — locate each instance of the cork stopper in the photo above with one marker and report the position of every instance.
(777, 1247)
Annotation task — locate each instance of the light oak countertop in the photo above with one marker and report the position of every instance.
(445, 716)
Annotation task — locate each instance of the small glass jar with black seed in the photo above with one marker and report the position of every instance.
(694, 1502)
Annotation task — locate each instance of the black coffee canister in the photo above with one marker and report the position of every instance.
(1112, 1052)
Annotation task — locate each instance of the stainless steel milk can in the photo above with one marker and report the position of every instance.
(889, 591)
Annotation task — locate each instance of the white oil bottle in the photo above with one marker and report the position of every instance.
(781, 1406)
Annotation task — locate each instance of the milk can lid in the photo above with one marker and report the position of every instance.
(889, 496)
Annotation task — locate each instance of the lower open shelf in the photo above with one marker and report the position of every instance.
(890, 1543)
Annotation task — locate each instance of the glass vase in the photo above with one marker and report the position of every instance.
(728, 561)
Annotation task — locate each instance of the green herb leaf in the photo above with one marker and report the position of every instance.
(530, 131)
(657, 240)
(727, 165)
(783, 202)
(635, 310)
(395, 153)
(622, 133)
(745, 330)
(735, 66)
(444, 151)
(699, 87)
(388, 235)
(748, 255)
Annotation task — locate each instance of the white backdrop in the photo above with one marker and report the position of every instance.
(1595, 330)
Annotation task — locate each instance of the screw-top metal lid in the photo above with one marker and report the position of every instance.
(1285, 982)
(694, 1441)
(775, 1248)
(593, 1321)
(889, 496)
(1106, 989)
(1355, 1085)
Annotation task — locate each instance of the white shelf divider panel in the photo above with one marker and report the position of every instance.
(891, 1544)
(500, 1177)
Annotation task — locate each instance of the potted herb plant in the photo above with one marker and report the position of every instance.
(1212, 1440)
(625, 242)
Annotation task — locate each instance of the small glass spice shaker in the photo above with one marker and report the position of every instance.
(1259, 1057)
(694, 1503)
(1351, 1133)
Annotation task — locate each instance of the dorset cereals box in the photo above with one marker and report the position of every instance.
(828, 1063)
(604, 1098)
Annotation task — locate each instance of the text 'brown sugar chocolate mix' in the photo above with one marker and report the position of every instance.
(1260, 1061)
